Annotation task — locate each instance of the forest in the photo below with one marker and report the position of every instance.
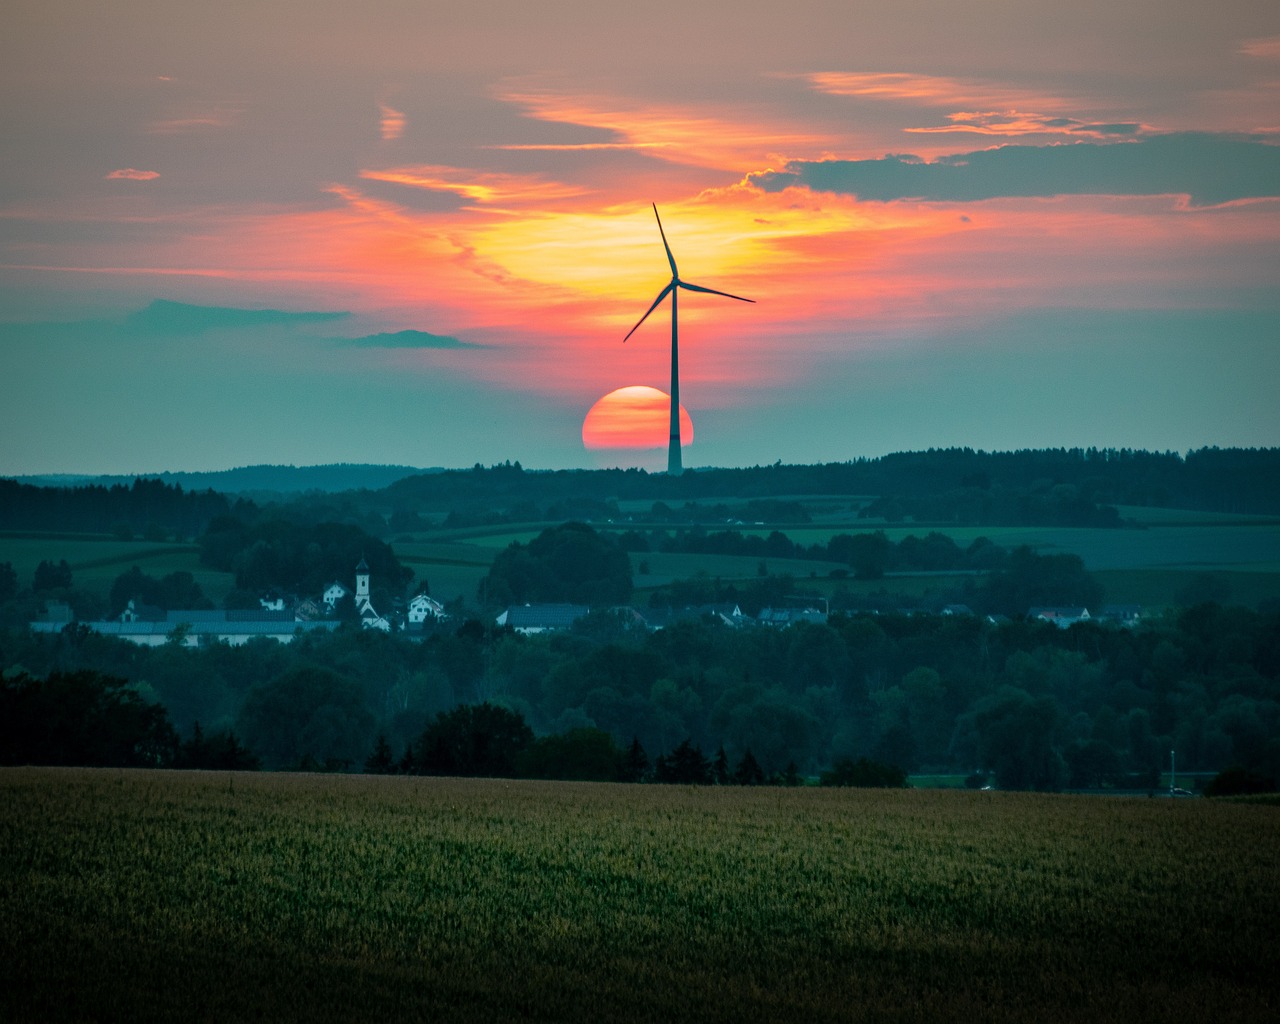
(1027, 704)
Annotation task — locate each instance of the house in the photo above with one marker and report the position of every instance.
(790, 616)
(191, 627)
(369, 619)
(423, 607)
(309, 608)
(136, 611)
(334, 593)
(957, 609)
(1063, 618)
(539, 618)
(728, 614)
(1126, 615)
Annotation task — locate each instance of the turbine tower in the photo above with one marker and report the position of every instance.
(674, 464)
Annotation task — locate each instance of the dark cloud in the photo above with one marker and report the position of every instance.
(166, 317)
(1210, 169)
(408, 339)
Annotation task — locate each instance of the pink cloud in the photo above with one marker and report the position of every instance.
(132, 174)
(931, 90)
(392, 123)
(1268, 47)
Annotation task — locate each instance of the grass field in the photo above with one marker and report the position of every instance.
(1146, 566)
(191, 896)
(96, 562)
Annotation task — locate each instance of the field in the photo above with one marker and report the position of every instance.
(190, 896)
(1137, 566)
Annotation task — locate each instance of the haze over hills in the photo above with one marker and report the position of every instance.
(284, 479)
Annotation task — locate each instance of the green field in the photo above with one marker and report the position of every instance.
(137, 896)
(1137, 566)
(96, 562)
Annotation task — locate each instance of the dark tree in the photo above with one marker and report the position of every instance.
(306, 711)
(176, 590)
(1237, 781)
(219, 751)
(586, 755)
(865, 774)
(52, 577)
(1030, 579)
(1093, 764)
(685, 765)
(635, 763)
(571, 562)
(473, 739)
(381, 761)
(720, 768)
(748, 772)
(8, 582)
(81, 718)
(1017, 737)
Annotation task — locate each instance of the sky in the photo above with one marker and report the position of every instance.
(417, 232)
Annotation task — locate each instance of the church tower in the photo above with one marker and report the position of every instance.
(362, 585)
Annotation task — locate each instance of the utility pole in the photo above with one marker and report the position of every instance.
(1173, 771)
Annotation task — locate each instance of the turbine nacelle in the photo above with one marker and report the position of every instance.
(675, 281)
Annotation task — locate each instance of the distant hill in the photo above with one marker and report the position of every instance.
(249, 479)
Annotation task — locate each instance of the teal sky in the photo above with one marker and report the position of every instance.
(313, 233)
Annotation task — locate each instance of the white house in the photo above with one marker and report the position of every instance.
(1060, 617)
(334, 593)
(539, 618)
(423, 607)
(191, 626)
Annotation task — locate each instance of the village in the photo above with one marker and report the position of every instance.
(282, 618)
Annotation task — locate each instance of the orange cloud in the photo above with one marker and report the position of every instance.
(930, 90)
(132, 174)
(704, 136)
(477, 186)
(1014, 123)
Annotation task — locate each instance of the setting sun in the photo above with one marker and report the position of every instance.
(635, 417)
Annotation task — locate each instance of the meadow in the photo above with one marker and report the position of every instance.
(152, 896)
(1144, 566)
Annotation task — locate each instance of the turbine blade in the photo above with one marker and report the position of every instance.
(711, 291)
(661, 295)
(670, 259)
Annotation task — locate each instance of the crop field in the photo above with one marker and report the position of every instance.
(1156, 588)
(1233, 545)
(148, 896)
(1142, 566)
(96, 562)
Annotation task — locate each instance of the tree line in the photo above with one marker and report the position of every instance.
(957, 485)
(1029, 704)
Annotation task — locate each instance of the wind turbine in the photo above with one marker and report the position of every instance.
(674, 465)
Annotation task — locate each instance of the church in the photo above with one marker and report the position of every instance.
(369, 618)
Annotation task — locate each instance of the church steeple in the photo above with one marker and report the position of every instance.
(362, 584)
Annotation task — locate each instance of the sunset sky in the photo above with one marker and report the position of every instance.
(417, 232)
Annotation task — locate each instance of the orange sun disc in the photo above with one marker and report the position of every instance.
(633, 417)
